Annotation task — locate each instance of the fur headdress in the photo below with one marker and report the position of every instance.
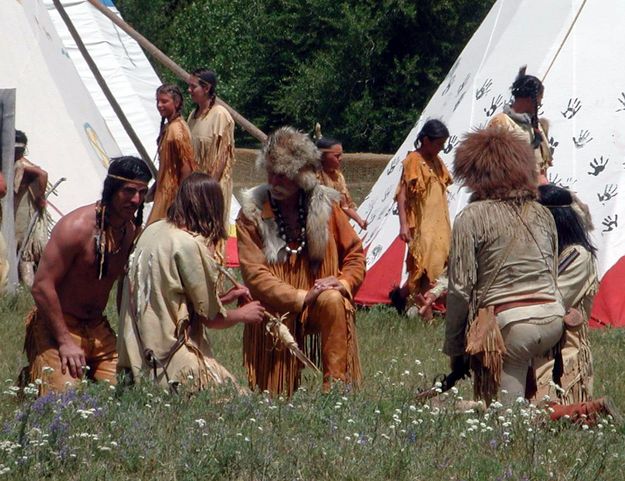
(495, 163)
(290, 152)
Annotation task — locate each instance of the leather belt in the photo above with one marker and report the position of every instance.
(527, 302)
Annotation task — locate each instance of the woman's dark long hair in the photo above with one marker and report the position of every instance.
(433, 129)
(570, 226)
(207, 78)
(199, 207)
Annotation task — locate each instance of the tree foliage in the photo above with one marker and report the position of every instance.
(364, 69)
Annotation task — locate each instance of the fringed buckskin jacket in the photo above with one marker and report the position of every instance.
(280, 281)
(480, 237)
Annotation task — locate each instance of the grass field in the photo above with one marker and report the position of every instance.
(105, 433)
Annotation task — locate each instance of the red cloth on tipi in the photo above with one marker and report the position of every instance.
(608, 308)
(383, 275)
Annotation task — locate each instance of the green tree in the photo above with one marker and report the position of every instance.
(364, 69)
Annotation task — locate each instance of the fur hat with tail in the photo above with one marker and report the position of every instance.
(290, 152)
(495, 163)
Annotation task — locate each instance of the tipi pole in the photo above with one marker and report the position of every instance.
(105, 89)
(181, 73)
(8, 99)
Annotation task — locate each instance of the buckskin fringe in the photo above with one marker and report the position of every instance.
(271, 367)
(354, 370)
(486, 347)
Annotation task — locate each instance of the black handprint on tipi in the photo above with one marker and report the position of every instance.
(451, 143)
(495, 103)
(484, 89)
(463, 84)
(582, 139)
(610, 191)
(598, 166)
(610, 223)
(621, 100)
(459, 101)
(553, 143)
(387, 193)
(452, 77)
(392, 165)
(564, 183)
(572, 108)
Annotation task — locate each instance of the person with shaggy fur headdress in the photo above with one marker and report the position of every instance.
(521, 117)
(301, 258)
(503, 304)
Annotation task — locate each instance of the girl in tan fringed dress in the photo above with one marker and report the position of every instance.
(175, 151)
(212, 133)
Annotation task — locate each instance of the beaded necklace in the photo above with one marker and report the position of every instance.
(302, 212)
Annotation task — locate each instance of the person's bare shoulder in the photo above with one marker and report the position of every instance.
(75, 228)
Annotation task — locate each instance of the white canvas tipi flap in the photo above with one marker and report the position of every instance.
(67, 135)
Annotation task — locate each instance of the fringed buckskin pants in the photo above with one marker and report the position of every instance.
(525, 340)
(332, 316)
(94, 336)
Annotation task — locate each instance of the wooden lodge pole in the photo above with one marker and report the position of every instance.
(105, 89)
(181, 73)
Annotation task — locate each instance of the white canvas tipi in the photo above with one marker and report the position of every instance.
(573, 46)
(128, 73)
(67, 135)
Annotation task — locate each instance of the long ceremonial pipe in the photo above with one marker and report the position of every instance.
(181, 73)
(105, 89)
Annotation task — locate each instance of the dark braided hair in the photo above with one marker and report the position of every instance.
(433, 129)
(569, 225)
(131, 168)
(207, 78)
(528, 86)
(20, 137)
(327, 142)
(176, 93)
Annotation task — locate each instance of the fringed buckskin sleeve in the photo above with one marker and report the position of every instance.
(462, 273)
(350, 253)
(276, 294)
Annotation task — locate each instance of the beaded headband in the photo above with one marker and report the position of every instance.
(126, 179)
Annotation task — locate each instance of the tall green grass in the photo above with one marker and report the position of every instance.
(380, 432)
